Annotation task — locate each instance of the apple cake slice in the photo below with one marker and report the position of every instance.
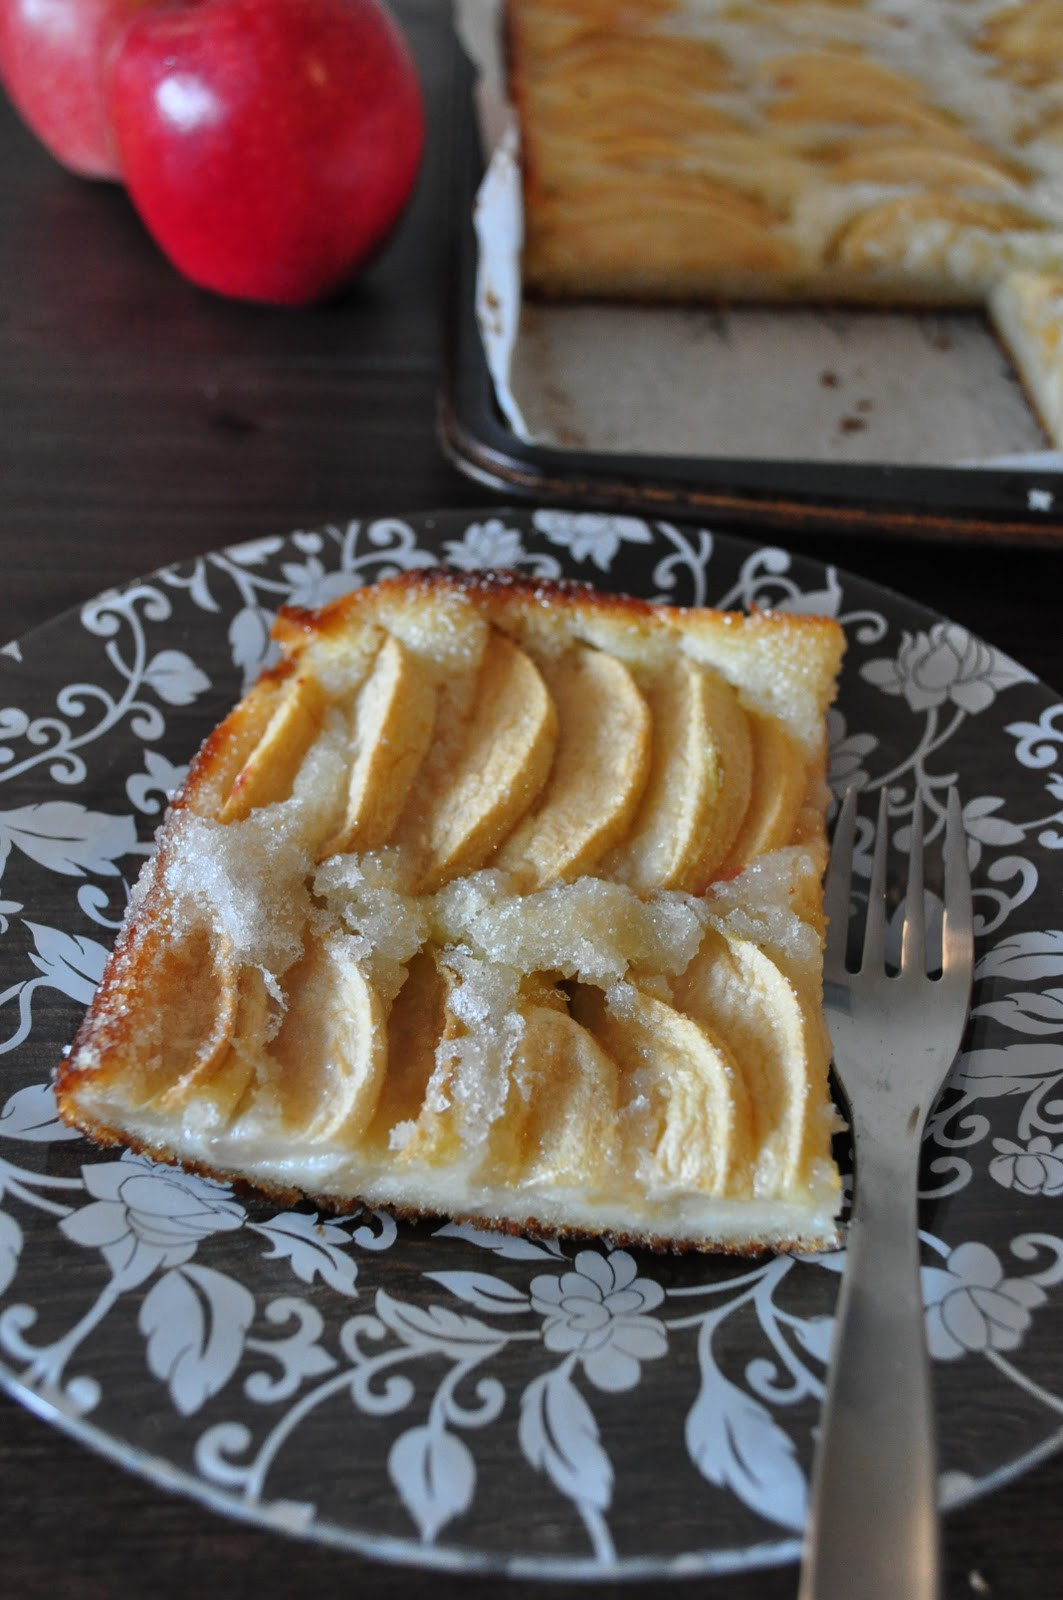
(499, 901)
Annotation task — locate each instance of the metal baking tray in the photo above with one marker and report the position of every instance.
(1008, 503)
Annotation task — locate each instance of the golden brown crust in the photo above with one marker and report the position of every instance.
(530, 1227)
(495, 590)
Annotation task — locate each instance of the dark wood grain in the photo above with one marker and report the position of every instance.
(142, 422)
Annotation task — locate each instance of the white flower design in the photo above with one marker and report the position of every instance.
(592, 535)
(972, 1306)
(599, 1310)
(485, 545)
(1036, 1168)
(144, 1216)
(311, 585)
(986, 827)
(945, 664)
(175, 678)
(848, 752)
(66, 837)
(150, 790)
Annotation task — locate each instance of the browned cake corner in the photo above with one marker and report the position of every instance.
(497, 900)
(839, 151)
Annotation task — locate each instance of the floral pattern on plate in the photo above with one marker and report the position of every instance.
(647, 1414)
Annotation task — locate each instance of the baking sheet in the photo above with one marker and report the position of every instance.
(814, 385)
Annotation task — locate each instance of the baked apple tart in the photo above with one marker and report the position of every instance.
(842, 151)
(501, 901)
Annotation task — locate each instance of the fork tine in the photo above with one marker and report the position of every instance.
(913, 939)
(874, 953)
(839, 882)
(958, 932)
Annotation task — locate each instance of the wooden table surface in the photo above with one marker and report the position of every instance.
(142, 422)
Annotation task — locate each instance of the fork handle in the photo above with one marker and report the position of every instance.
(873, 1530)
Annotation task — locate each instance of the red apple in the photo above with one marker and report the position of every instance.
(52, 58)
(270, 146)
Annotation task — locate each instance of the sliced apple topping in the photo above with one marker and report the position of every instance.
(598, 775)
(882, 235)
(776, 907)
(733, 988)
(499, 768)
(330, 1053)
(684, 1105)
(779, 782)
(434, 1136)
(416, 1021)
(221, 1075)
(699, 783)
(270, 770)
(830, 86)
(393, 721)
(466, 1093)
(917, 161)
(560, 1123)
(226, 750)
(187, 1035)
(1029, 35)
(228, 1089)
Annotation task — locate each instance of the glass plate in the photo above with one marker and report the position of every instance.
(434, 1394)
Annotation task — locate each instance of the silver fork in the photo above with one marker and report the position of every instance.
(873, 1530)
